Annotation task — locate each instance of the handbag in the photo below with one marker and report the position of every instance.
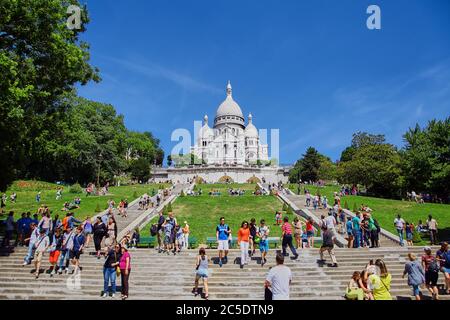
(117, 267)
(268, 296)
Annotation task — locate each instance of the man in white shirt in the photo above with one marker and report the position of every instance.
(279, 280)
(399, 224)
(34, 235)
(432, 226)
(330, 222)
(41, 245)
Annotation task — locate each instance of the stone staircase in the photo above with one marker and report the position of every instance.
(160, 276)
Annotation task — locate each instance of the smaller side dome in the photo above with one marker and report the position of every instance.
(250, 130)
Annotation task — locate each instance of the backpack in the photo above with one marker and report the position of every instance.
(65, 222)
(377, 225)
(154, 230)
(434, 267)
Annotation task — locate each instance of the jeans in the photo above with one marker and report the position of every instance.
(63, 258)
(244, 252)
(357, 236)
(30, 253)
(400, 236)
(109, 274)
(287, 241)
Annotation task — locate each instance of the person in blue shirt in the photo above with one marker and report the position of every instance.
(35, 219)
(78, 244)
(349, 228)
(21, 235)
(356, 229)
(72, 220)
(223, 232)
(27, 225)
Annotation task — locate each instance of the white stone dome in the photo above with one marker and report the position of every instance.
(205, 130)
(229, 108)
(229, 112)
(250, 130)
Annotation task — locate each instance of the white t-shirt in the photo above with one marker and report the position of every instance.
(279, 278)
(432, 225)
(42, 243)
(399, 223)
(330, 222)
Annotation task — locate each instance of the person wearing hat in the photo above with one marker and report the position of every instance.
(125, 269)
(379, 281)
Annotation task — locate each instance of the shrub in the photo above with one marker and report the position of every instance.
(182, 193)
(135, 194)
(416, 237)
(153, 192)
(285, 207)
(346, 205)
(289, 211)
(195, 188)
(355, 208)
(169, 207)
(76, 188)
(97, 208)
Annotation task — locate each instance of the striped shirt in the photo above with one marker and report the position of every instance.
(287, 228)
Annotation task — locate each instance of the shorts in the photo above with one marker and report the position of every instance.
(54, 256)
(409, 237)
(310, 234)
(263, 245)
(350, 235)
(431, 278)
(86, 233)
(416, 290)
(74, 254)
(38, 256)
(223, 245)
(167, 239)
(202, 273)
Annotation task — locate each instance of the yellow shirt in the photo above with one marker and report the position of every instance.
(380, 286)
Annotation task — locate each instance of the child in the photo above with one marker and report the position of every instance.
(278, 218)
(179, 238)
(305, 240)
(409, 234)
(135, 239)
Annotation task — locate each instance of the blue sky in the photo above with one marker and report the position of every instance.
(310, 68)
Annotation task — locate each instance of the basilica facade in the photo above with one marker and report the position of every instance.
(230, 140)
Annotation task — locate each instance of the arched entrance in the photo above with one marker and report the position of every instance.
(226, 179)
(254, 180)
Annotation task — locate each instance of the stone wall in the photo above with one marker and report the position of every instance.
(211, 174)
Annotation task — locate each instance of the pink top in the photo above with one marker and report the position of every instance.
(286, 228)
(123, 261)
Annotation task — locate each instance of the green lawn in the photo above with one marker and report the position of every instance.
(385, 210)
(203, 212)
(26, 194)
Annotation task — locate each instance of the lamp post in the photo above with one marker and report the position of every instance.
(98, 173)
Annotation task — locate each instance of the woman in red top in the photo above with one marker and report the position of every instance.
(243, 239)
(310, 232)
(286, 236)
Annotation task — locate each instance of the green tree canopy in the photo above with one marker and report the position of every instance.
(40, 60)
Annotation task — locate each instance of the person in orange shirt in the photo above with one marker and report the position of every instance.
(243, 240)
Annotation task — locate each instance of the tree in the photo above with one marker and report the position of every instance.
(40, 59)
(307, 168)
(140, 169)
(361, 139)
(375, 166)
(426, 158)
(327, 169)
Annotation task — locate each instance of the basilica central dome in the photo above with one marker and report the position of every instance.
(229, 112)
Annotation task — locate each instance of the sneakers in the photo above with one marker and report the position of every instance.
(24, 264)
(295, 257)
(113, 295)
(242, 266)
(334, 265)
(104, 295)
